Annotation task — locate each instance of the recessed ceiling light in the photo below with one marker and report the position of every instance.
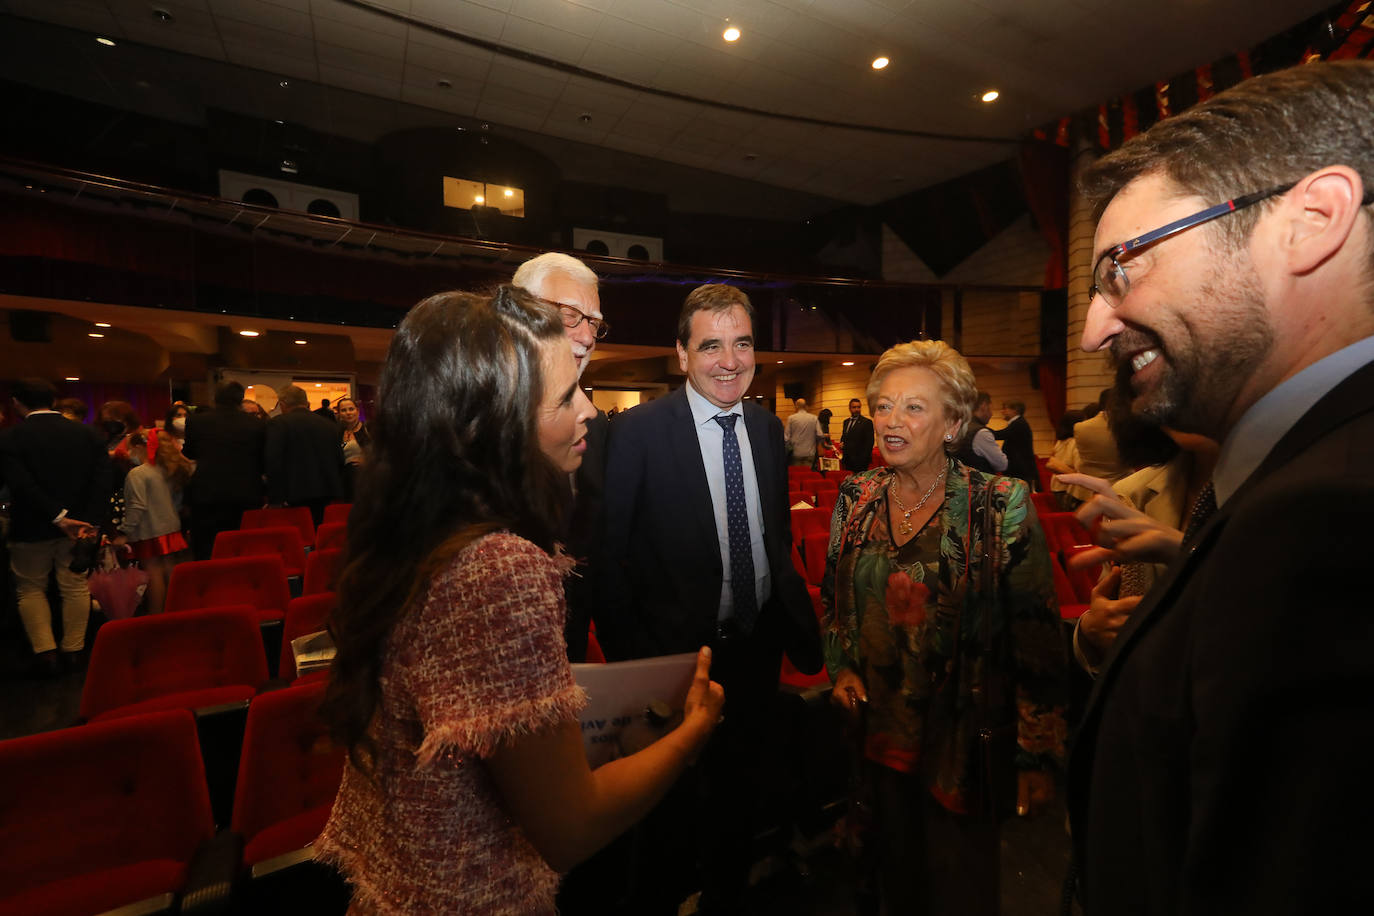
(102, 324)
(480, 199)
(779, 362)
(107, 42)
(880, 62)
(301, 343)
(444, 84)
(848, 362)
(73, 378)
(94, 334)
(248, 333)
(278, 121)
(991, 95)
(730, 34)
(162, 15)
(284, 84)
(509, 192)
(318, 385)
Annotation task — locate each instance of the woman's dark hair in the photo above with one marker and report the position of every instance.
(455, 454)
(1064, 429)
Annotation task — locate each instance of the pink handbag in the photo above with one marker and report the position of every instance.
(119, 589)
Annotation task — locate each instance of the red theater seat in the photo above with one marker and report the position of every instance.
(330, 535)
(101, 816)
(288, 774)
(1044, 503)
(814, 547)
(296, 516)
(1070, 607)
(321, 571)
(807, 521)
(256, 581)
(304, 615)
(336, 512)
(280, 541)
(1063, 530)
(173, 661)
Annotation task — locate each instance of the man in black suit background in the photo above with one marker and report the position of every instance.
(227, 446)
(567, 283)
(1019, 444)
(699, 545)
(856, 439)
(303, 456)
(60, 480)
(1222, 765)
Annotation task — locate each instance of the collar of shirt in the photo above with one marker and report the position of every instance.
(1264, 424)
(703, 410)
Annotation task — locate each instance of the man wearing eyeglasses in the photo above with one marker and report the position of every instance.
(565, 282)
(1222, 764)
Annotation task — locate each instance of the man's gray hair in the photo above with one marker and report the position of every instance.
(292, 397)
(537, 271)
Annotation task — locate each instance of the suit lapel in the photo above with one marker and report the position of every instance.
(691, 477)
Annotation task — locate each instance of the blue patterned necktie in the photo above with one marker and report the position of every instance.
(742, 597)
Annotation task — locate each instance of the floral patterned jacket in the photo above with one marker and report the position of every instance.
(947, 661)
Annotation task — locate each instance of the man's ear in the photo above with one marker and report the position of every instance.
(681, 357)
(1320, 216)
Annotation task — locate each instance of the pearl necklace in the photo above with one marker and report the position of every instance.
(905, 526)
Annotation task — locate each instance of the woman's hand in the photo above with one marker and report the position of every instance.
(1106, 614)
(1034, 790)
(1125, 533)
(849, 693)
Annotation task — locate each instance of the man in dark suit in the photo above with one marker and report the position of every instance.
(564, 281)
(698, 536)
(60, 480)
(1018, 443)
(303, 456)
(1222, 764)
(227, 446)
(856, 439)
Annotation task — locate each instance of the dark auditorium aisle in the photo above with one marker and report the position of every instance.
(1035, 852)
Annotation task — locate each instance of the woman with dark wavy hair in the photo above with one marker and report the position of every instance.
(467, 789)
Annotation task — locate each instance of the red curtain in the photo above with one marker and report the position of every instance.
(1045, 175)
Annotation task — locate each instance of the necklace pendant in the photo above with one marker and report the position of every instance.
(905, 527)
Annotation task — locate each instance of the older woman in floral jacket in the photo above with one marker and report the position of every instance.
(942, 634)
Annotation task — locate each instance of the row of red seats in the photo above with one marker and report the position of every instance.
(118, 814)
(298, 517)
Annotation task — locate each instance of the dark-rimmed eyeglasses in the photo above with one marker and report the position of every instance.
(1110, 280)
(572, 317)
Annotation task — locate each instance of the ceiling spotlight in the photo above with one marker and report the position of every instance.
(750, 157)
(102, 324)
(107, 42)
(290, 167)
(880, 62)
(162, 15)
(301, 343)
(73, 378)
(445, 84)
(509, 192)
(318, 385)
(779, 362)
(991, 95)
(585, 118)
(94, 334)
(730, 34)
(480, 199)
(284, 84)
(848, 362)
(248, 333)
(278, 122)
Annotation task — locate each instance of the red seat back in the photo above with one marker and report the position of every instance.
(296, 516)
(798, 496)
(279, 541)
(806, 521)
(336, 512)
(257, 581)
(84, 800)
(304, 615)
(321, 571)
(143, 657)
(1063, 530)
(1070, 607)
(814, 547)
(330, 535)
(288, 766)
(1044, 503)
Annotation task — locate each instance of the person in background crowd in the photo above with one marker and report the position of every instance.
(72, 409)
(60, 478)
(1019, 444)
(175, 422)
(802, 436)
(325, 411)
(120, 422)
(979, 449)
(572, 287)
(1095, 443)
(253, 409)
(699, 544)
(1223, 760)
(1064, 459)
(354, 437)
(227, 445)
(302, 458)
(913, 653)
(152, 510)
(856, 439)
(467, 787)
